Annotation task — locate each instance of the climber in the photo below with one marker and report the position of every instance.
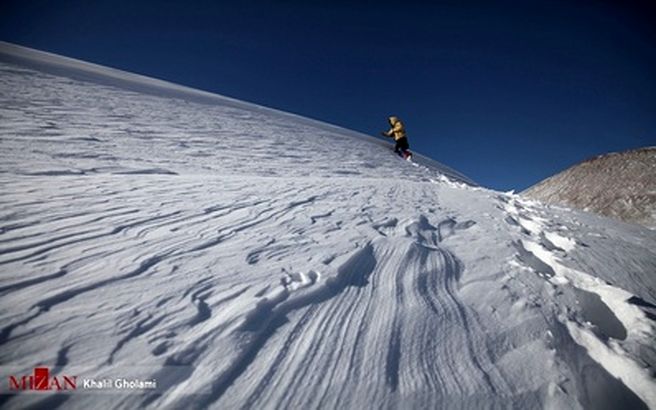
(397, 131)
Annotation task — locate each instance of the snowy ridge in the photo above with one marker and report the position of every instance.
(87, 72)
(243, 258)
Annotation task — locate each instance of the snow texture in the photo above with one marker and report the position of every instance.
(248, 258)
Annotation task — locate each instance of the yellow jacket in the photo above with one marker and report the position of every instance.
(397, 131)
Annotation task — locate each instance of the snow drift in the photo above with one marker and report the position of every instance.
(244, 257)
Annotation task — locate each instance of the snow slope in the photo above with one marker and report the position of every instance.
(618, 185)
(248, 258)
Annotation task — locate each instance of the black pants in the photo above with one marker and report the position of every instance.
(401, 145)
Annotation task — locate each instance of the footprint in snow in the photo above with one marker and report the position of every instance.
(299, 280)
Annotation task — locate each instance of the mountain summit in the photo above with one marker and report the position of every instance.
(616, 185)
(172, 248)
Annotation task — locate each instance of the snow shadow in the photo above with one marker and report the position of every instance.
(529, 259)
(595, 311)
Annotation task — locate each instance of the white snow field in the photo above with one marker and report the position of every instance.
(248, 258)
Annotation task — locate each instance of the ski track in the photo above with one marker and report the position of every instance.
(288, 272)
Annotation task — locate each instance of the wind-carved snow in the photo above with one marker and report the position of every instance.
(248, 258)
(607, 311)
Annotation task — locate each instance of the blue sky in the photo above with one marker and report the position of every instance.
(506, 92)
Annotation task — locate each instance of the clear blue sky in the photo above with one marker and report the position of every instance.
(507, 92)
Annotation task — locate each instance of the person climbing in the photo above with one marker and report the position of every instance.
(402, 148)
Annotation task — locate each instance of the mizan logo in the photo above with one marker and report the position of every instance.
(41, 380)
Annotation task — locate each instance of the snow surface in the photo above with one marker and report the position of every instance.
(249, 258)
